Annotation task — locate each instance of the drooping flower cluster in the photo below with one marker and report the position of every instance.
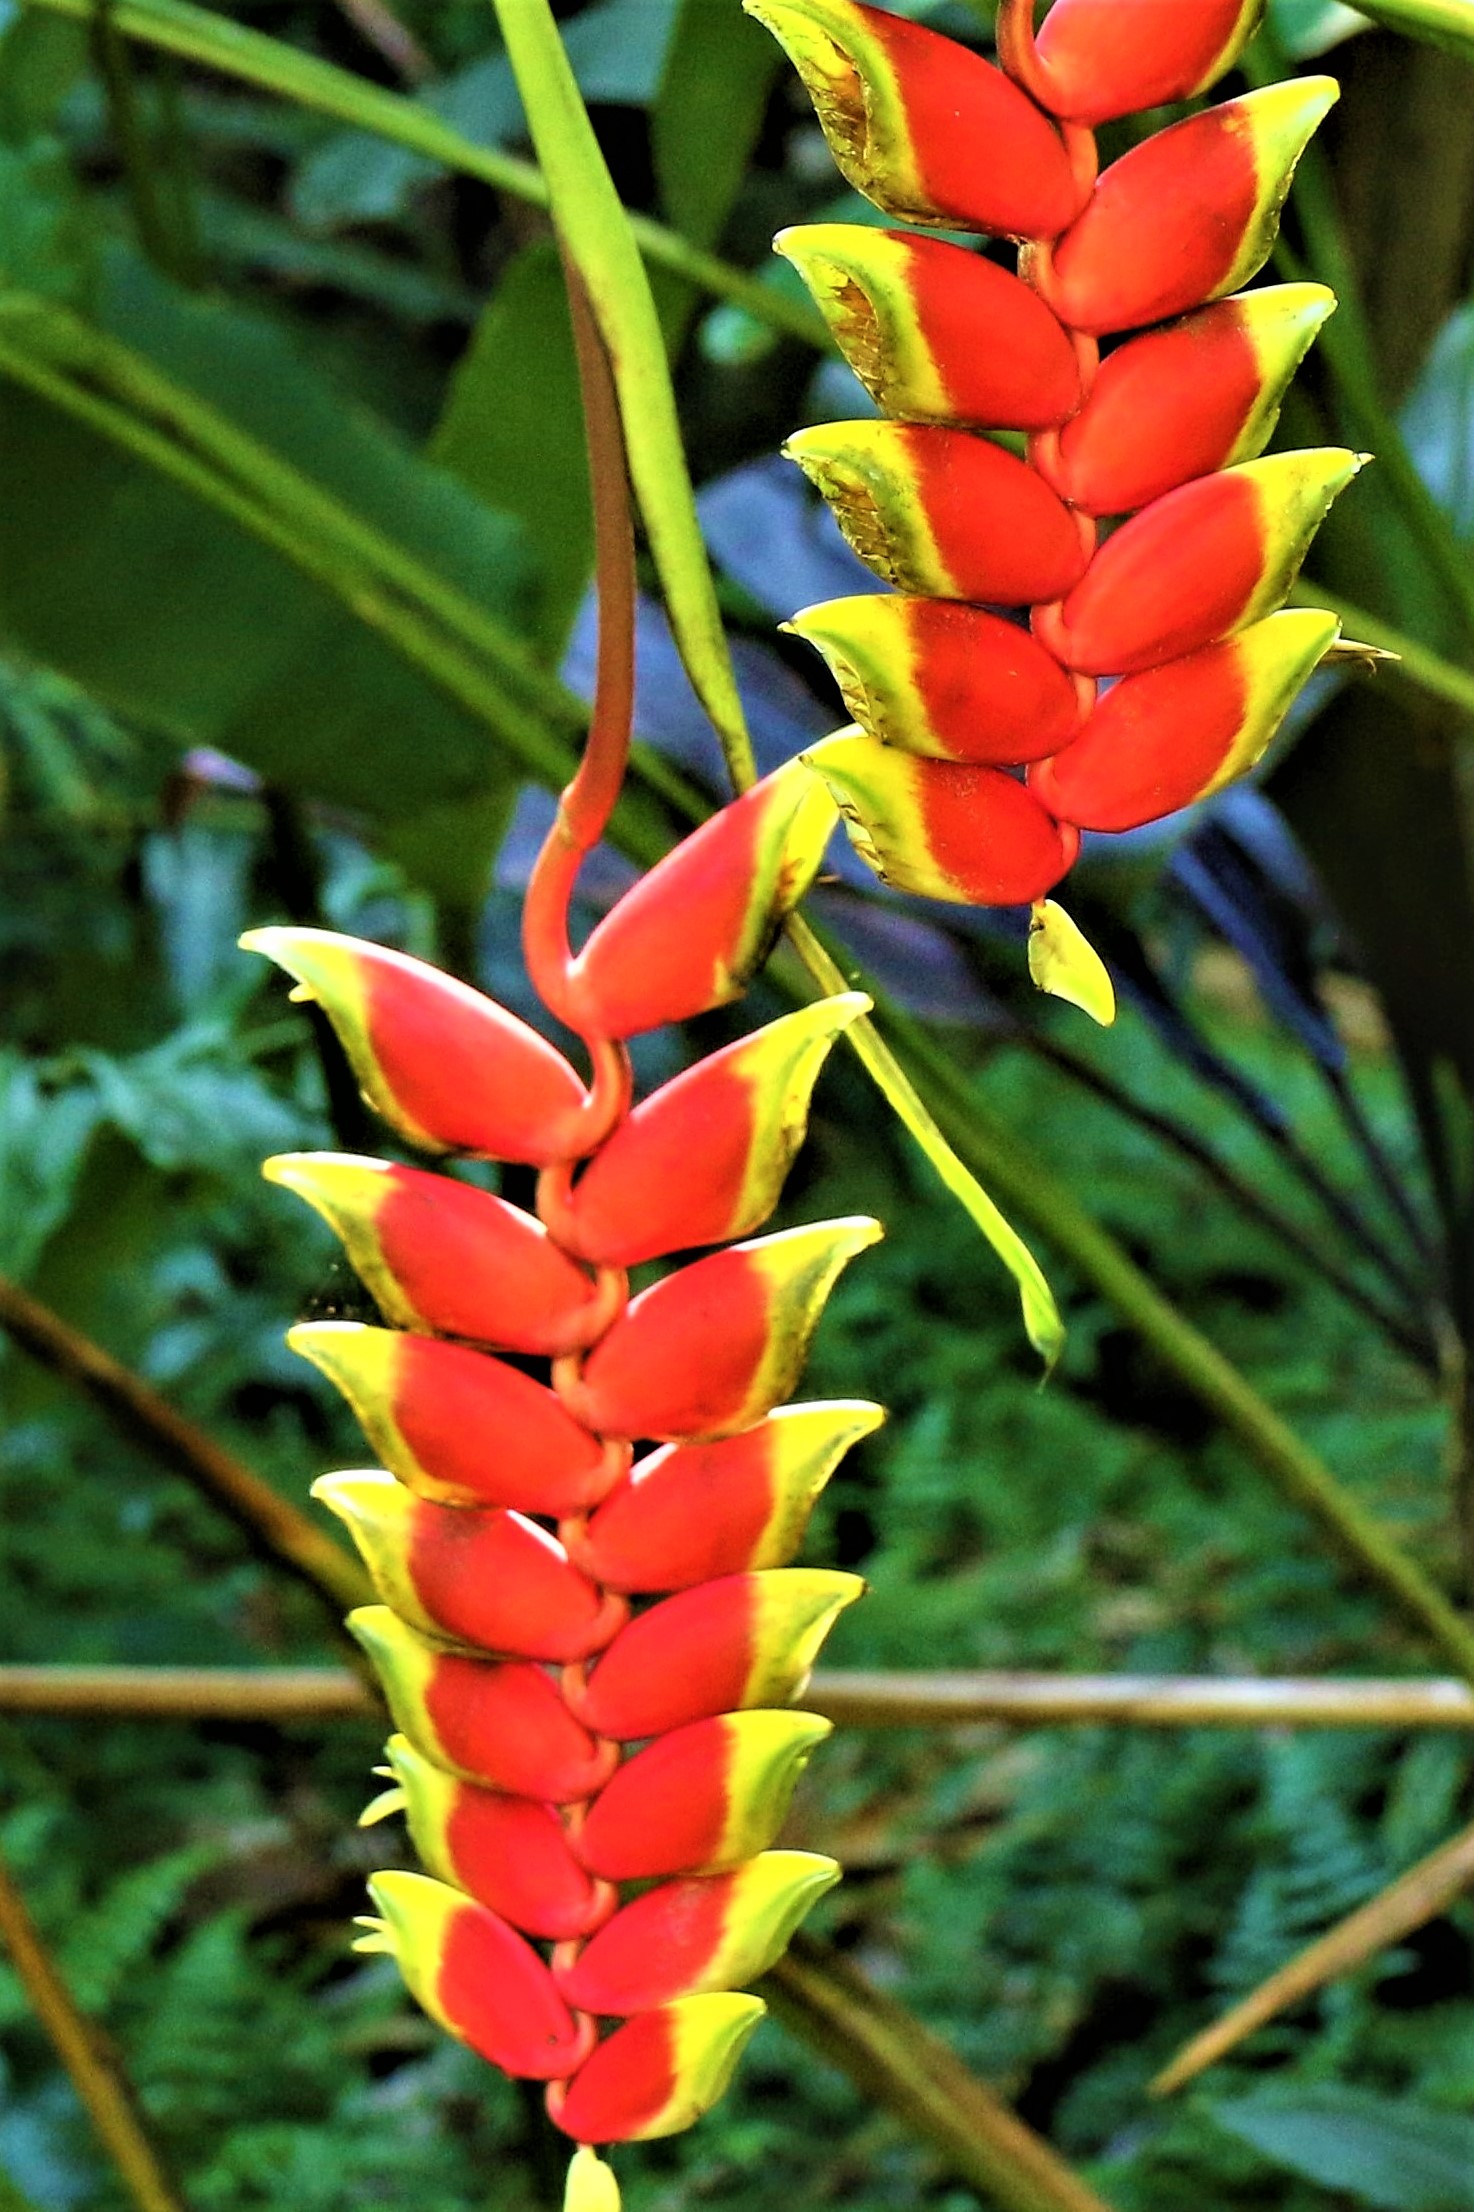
(1165, 429)
(590, 1663)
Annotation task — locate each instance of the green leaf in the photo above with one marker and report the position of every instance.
(512, 431)
(1445, 23)
(1438, 420)
(719, 67)
(1383, 2151)
(1308, 27)
(171, 615)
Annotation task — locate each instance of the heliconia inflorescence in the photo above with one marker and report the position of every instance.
(950, 699)
(591, 1658)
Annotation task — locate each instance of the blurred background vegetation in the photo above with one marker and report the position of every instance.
(240, 337)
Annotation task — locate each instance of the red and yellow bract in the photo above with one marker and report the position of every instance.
(1165, 429)
(545, 1603)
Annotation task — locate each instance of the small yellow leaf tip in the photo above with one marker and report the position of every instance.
(1063, 962)
(591, 2184)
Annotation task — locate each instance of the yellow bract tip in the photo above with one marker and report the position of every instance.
(591, 2184)
(1063, 962)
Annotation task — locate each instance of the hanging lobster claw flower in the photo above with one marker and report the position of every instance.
(493, 1721)
(688, 1937)
(479, 1577)
(1200, 562)
(691, 1512)
(713, 1347)
(742, 1641)
(1187, 215)
(448, 1069)
(935, 333)
(477, 1976)
(1201, 395)
(700, 1799)
(943, 831)
(928, 131)
(704, 1159)
(1170, 735)
(933, 676)
(509, 1853)
(691, 933)
(944, 513)
(429, 1408)
(442, 1256)
(1091, 65)
(591, 2184)
(658, 2073)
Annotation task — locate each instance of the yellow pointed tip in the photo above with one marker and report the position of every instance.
(382, 1807)
(591, 2184)
(1063, 962)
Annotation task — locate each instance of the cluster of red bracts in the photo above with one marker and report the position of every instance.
(590, 1658)
(1177, 603)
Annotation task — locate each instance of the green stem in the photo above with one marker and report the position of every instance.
(213, 42)
(599, 241)
(89, 2058)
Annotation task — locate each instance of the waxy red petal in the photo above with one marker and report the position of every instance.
(509, 1853)
(1096, 64)
(1159, 740)
(705, 1932)
(943, 513)
(971, 835)
(459, 1425)
(1187, 215)
(937, 334)
(1183, 401)
(704, 1797)
(927, 130)
(934, 676)
(743, 1640)
(482, 1577)
(478, 1977)
(691, 1512)
(1200, 562)
(498, 1722)
(713, 1347)
(691, 932)
(704, 1158)
(447, 1067)
(443, 1257)
(658, 2073)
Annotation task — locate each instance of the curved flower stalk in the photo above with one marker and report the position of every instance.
(1178, 603)
(590, 1658)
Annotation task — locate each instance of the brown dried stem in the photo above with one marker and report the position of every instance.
(89, 2058)
(1407, 1904)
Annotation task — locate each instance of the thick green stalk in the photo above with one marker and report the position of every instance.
(213, 42)
(600, 243)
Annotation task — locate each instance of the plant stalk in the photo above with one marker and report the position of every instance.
(89, 2057)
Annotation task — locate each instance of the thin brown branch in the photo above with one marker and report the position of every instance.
(889, 2055)
(1407, 1904)
(378, 25)
(274, 1527)
(854, 1700)
(89, 2058)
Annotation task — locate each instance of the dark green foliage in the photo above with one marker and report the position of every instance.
(1066, 1906)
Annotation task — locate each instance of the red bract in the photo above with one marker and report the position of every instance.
(947, 694)
(509, 1657)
